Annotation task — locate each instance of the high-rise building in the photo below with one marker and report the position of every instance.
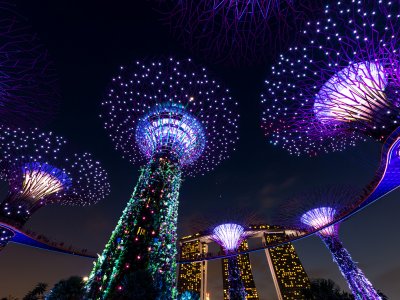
(289, 276)
(245, 271)
(192, 276)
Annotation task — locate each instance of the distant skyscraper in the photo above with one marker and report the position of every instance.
(245, 271)
(289, 276)
(192, 277)
(287, 271)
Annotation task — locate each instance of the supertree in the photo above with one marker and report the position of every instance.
(28, 88)
(39, 172)
(341, 84)
(315, 210)
(230, 236)
(171, 116)
(234, 31)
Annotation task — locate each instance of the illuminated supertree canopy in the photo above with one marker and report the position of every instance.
(340, 85)
(229, 236)
(174, 118)
(235, 31)
(314, 210)
(40, 172)
(28, 89)
(172, 107)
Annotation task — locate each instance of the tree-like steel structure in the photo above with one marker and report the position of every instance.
(172, 117)
(39, 171)
(234, 31)
(314, 210)
(340, 84)
(230, 236)
(28, 85)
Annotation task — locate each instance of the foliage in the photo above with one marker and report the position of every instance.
(138, 285)
(37, 292)
(69, 289)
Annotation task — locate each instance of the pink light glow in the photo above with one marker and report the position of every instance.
(229, 236)
(319, 217)
(352, 94)
(38, 184)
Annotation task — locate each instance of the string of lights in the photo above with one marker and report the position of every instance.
(28, 85)
(235, 32)
(171, 117)
(340, 84)
(40, 172)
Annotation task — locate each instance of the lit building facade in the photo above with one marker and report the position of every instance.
(192, 277)
(289, 276)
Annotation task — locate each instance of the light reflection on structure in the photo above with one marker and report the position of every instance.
(353, 93)
(229, 236)
(41, 180)
(169, 128)
(319, 218)
(338, 86)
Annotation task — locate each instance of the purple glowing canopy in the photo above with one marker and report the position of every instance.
(168, 128)
(319, 218)
(38, 168)
(239, 9)
(229, 236)
(236, 32)
(28, 89)
(326, 206)
(340, 85)
(173, 108)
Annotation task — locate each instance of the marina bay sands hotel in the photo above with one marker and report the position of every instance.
(289, 276)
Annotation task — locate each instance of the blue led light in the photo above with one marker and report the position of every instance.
(169, 129)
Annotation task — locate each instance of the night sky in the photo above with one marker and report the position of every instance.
(88, 42)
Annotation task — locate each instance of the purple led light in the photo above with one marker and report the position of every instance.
(237, 10)
(41, 180)
(28, 88)
(168, 128)
(313, 211)
(352, 94)
(340, 85)
(235, 31)
(358, 283)
(229, 236)
(39, 171)
(320, 217)
(174, 108)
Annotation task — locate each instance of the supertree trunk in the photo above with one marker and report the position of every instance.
(359, 285)
(236, 286)
(145, 236)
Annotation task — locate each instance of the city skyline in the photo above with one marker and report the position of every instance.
(257, 175)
